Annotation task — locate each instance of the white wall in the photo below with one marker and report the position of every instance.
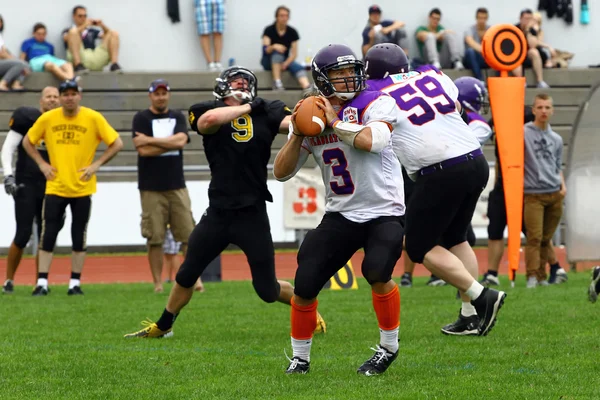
(150, 42)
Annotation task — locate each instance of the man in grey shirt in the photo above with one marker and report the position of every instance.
(544, 189)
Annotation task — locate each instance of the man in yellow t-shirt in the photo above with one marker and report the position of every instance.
(72, 134)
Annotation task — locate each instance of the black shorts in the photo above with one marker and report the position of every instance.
(409, 186)
(28, 206)
(249, 229)
(527, 63)
(496, 213)
(53, 217)
(442, 206)
(329, 246)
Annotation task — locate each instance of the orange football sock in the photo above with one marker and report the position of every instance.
(387, 309)
(304, 320)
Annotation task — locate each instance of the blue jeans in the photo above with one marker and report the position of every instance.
(475, 62)
(278, 58)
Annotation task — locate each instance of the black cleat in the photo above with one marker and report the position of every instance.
(594, 288)
(379, 363)
(74, 290)
(40, 291)
(463, 326)
(435, 281)
(406, 280)
(298, 366)
(8, 287)
(487, 306)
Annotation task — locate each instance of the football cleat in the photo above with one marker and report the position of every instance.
(463, 326)
(8, 287)
(378, 363)
(75, 290)
(150, 331)
(321, 325)
(298, 366)
(40, 291)
(489, 280)
(487, 306)
(406, 280)
(594, 288)
(435, 281)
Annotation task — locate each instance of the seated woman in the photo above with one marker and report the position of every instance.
(12, 70)
(40, 55)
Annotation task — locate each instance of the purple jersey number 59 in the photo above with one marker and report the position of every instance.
(422, 86)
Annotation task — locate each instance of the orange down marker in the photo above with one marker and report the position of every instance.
(504, 48)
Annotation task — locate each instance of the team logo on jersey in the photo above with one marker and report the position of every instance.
(350, 115)
(11, 122)
(191, 118)
(397, 78)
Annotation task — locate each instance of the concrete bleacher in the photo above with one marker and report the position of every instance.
(119, 97)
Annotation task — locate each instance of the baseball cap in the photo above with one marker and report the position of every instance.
(374, 9)
(159, 83)
(68, 84)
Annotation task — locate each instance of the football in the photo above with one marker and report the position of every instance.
(310, 119)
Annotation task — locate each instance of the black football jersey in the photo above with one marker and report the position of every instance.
(26, 168)
(528, 117)
(238, 154)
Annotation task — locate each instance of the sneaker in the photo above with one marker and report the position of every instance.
(321, 325)
(219, 67)
(278, 88)
(532, 282)
(379, 363)
(212, 67)
(435, 281)
(561, 277)
(75, 290)
(487, 306)
(80, 69)
(115, 67)
(463, 326)
(40, 291)
(8, 287)
(543, 282)
(150, 331)
(437, 65)
(298, 366)
(406, 280)
(458, 65)
(594, 288)
(543, 85)
(489, 280)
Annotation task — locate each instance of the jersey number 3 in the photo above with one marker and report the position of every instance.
(432, 89)
(244, 129)
(340, 168)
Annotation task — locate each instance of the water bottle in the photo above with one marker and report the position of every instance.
(585, 13)
(231, 62)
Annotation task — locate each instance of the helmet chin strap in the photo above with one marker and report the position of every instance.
(344, 95)
(242, 96)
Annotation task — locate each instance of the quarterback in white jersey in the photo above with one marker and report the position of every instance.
(444, 158)
(365, 201)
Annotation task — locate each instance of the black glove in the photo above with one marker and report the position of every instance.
(10, 185)
(257, 104)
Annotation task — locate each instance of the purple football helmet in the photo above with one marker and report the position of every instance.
(385, 59)
(338, 56)
(472, 94)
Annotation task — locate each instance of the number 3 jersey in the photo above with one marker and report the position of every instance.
(430, 129)
(360, 185)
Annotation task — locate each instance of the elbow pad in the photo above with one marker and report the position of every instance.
(380, 136)
(464, 116)
(347, 131)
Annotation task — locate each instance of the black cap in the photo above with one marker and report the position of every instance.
(68, 84)
(159, 83)
(374, 9)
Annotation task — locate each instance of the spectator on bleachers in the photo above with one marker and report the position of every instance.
(159, 136)
(12, 70)
(280, 49)
(82, 49)
(535, 57)
(544, 189)
(473, 37)
(210, 20)
(40, 55)
(438, 46)
(383, 31)
(556, 58)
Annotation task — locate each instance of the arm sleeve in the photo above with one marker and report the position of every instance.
(106, 132)
(12, 141)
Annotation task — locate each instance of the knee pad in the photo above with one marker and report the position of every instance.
(267, 291)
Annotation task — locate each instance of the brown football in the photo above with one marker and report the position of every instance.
(310, 119)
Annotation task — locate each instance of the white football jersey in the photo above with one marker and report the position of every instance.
(430, 129)
(360, 185)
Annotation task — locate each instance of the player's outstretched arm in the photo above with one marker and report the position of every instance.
(211, 121)
(9, 147)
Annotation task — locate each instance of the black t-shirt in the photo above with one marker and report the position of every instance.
(290, 36)
(528, 117)
(238, 154)
(88, 37)
(164, 172)
(26, 168)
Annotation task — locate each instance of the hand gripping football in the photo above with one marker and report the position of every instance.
(310, 119)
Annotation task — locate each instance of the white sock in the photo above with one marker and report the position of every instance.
(73, 283)
(8, 280)
(43, 282)
(467, 309)
(389, 339)
(474, 290)
(301, 348)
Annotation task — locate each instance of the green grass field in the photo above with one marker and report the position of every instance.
(230, 345)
